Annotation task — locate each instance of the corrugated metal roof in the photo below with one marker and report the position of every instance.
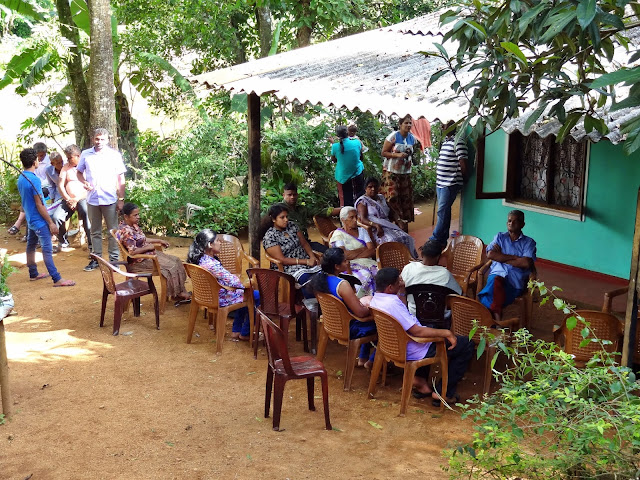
(380, 71)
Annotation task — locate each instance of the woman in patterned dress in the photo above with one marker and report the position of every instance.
(134, 240)
(202, 252)
(374, 211)
(284, 241)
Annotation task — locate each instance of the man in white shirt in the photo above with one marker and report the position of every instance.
(101, 170)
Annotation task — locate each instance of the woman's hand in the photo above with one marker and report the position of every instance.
(378, 229)
(164, 244)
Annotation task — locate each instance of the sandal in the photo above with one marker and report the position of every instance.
(39, 277)
(64, 283)
(13, 230)
(183, 301)
(451, 401)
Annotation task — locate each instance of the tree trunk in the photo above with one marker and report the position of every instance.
(263, 21)
(127, 126)
(103, 106)
(82, 114)
(303, 35)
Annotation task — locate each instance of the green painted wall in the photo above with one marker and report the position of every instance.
(601, 243)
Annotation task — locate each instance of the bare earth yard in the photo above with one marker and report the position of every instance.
(146, 404)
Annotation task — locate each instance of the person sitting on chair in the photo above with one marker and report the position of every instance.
(300, 215)
(428, 272)
(460, 348)
(513, 255)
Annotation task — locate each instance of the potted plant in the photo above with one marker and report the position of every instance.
(6, 299)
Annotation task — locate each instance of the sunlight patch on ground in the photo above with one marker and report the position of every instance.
(21, 258)
(51, 346)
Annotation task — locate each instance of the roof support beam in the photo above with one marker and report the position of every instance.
(254, 167)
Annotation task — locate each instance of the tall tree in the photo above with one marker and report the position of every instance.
(103, 105)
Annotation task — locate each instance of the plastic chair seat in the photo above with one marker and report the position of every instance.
(303, 366)
(465, 255)
(132, 287)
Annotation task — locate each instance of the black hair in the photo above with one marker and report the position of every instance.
(330, 259)
(385, 277)
(28, 157)
(290, 186)
(267, 221)
(352, 129)
(129, 207)
(372, 180)
(517, 213)
(200, 244)
(402, 120)
(341, 131)
(431, 249)
(450, 125)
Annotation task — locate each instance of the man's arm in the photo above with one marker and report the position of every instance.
(496, 255)
(42, 210)
(418, 330)
(121, 185)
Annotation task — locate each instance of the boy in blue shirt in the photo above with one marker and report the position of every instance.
(41, 227)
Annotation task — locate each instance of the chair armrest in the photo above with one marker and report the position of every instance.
(508, 323)
(609, 296)
(118, 263)
(368, 318)
(425, 339)
(317, 254)
(141, 255)
(477, 267)
(369, 230)
(134, 275)
(251, 260)
(278, 263)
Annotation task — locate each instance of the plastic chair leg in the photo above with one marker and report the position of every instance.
(375, 371)
(221, 319)
(156, 309)
(117, 316)
(325, 399)
(441, 351)
(105, 294)
(278, 392)
(310, 380)
(352, 353)
(193, 313)
(322, 345)
(267, 394)
(163, 293)
(407, 383)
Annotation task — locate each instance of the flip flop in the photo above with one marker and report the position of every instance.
(184, 301)
(39, 277)
(65, 283)
(451, 401)
(416, 394)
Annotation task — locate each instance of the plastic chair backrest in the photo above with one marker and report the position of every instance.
(393, 254)
(604, 326)
(123, 250)
(269, 283)
(431, 302)
(206, 289)
(106, 270)
(231, 253)
(392, 339)
(463, 311)
(276, 342)
(464, 253)
(335, 316)
(325, 227)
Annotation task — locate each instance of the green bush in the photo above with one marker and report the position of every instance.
(9, 182)
(550, 419)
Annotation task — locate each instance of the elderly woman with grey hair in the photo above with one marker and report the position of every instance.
(358, 249)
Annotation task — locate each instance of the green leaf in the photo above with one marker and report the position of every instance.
(556, 24)
(558, 303)
(515, 50)
(493, 360)
(25, 9)
(375, 425)
(530, 121)
(571, 322)
(436, 76)
(481, 346)
(570, 122)
(586, 12)
(477, 27)
(584, 332)
(623, 75)
(80, 15)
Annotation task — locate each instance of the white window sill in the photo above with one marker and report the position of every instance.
(543, 210)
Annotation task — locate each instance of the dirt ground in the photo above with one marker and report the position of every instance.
(146, 404)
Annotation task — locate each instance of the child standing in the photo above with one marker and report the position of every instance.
(41, 227)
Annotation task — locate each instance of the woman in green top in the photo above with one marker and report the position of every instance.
(347, 152)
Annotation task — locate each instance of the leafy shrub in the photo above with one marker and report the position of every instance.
(423, 179)
(9, 182)
(550, 419)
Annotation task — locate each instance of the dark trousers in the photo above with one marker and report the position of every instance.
(459, 358)
(350, 191)
(64, 212)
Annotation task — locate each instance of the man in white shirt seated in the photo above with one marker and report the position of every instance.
(428, 272)
(460, 348)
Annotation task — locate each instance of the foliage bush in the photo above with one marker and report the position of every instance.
(9, 182)
(550, 419)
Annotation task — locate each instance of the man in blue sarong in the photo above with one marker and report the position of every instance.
(513, 256)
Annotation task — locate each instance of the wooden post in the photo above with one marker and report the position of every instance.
(254, 167)
(4, 373)
(630, 318)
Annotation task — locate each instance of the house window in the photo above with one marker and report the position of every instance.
(546, 174)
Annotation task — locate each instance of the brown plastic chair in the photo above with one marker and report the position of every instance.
(393, 254)
(431, 303)
(524, 301)
(206, 290)
(282, 368)
(465, 255)
(335, 323)
(232, 255)
(606, 308)
(603, 326)
(392, 346)
(463, 311)
(270, 284)
(325, 227)
(156, 267)
(130, 289)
